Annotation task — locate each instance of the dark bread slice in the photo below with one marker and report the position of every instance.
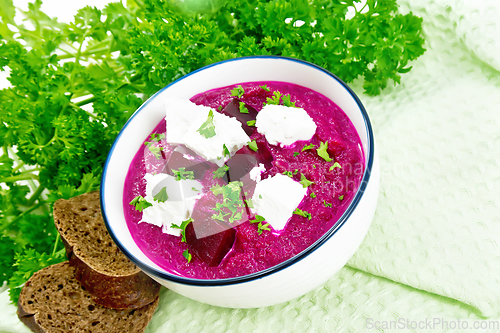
(52, 300)
(107, 274)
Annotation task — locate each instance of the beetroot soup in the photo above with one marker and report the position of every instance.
(241, 178)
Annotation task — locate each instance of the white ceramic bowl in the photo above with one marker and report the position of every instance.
(294, 277)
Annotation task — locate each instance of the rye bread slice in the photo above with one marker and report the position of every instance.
(105, 272)
(52, 300)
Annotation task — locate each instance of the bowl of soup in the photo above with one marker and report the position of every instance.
(246, 183)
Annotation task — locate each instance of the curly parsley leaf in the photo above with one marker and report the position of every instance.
(238, 92)
(187, 255)
(161, 196)
(260, 227)
(323, 151)
(182, 174)
(140, 203)
(303, 213)
(183, 226)
(207, 129)
(220, 172)
(304, 181)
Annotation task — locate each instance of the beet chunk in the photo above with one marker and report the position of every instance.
(183, 157)
(211, 249)
(232, 109)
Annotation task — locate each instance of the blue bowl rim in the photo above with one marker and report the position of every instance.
(271, 270)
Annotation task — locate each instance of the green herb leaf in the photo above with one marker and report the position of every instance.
(238, 92)
(322, 151)
(232, 203)
(161, 196)
(296, 154)
(341, 197)
(207, 129)
(187, 255)
(140, 203)
(253, 145)
(260, 227)
(182, 174)
(225, 151)
(326, 204)
(220, 172)
(335, 165)
(243, 108)
(265, 87)
(249, 203)
(251, 123)
(312, 195)
(309, 146)
(304, 181)
(303, 213)
(183, 226)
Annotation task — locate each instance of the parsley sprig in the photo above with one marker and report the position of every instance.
(182, 174)
(140, 203)
(303, 213)
(232, 203)
(260, 227)
(207, 129)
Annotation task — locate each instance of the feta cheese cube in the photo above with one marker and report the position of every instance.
(185, 118)
(284, 125)
(276, 198)
(177, 208)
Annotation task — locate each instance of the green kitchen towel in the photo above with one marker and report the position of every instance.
(431, 259)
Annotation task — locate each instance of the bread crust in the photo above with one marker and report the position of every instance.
(70, 308)
(79, 221)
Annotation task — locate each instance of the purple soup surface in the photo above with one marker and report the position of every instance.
(333, 189)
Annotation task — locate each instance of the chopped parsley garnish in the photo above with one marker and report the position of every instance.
(207, 129)
(249, 203)
(219, 108)
(155, 137)
(295, 171)
(304, 181)
(225, 151)
(279, 97)
(238, 91)
(310, 146)
(265, 87)
(341, 197)
(183, 226)
(287, 102)
(260, 227)
(231, 200)
(243, 108)
(140, 203)
(335, 165)
(312, 195)
(327, 204)
(194, 189)
(220, 172)
(182, 174)
(288, 173)
(296, 154)
(253, 145)
(322, 151)
(161, 196)
(251, 123)
(187, 255)
(303, 213)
